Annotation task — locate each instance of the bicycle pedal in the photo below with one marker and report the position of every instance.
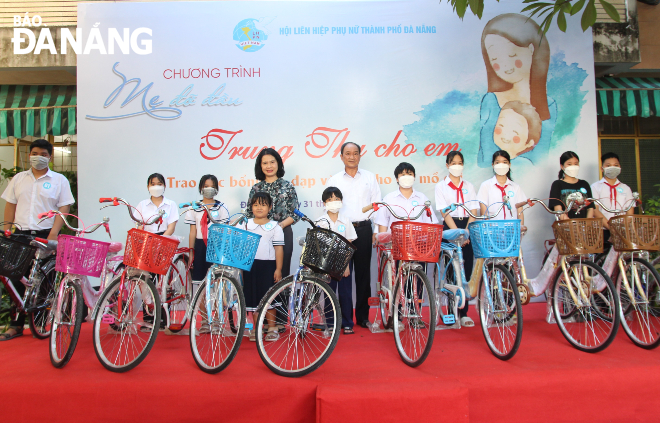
(107, 319)
(448, 319)
(374, 301)
(249, 326)
(176, 326)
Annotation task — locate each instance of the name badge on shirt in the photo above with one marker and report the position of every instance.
(269, 226)
(341, 228)
(414, 203)
(511, 194)
(47, 185)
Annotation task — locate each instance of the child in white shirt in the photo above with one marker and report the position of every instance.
(150, 207)
(337, 222)
(267, 267)
(494, 189)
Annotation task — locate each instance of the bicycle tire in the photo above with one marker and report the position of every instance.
(216, 331)
(122, 358)
(414, 341)
(300, 336)
(641, 322)
(66, 330)
(385, 301)
(178, 309)
(501, 325)
(600, 324)
(40, 321)
(444, 303)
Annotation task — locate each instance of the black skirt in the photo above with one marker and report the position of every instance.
(257, 282)
(200, 265)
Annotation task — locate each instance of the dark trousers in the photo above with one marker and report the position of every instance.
(288, 251)
(19, 320)
(468, 258)
(344, 290)
(362, 265)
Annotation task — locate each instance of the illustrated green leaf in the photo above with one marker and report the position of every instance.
(611, 10)
(589, 15)
(561, 21)
(577, 7)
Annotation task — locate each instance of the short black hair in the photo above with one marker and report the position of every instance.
(402, 167)
(610, 155)
(329, 192)
(158, 176)
(259, 173)
(452, 154)
(350, 142)
(261, 197)
(205, 178)
(42, 143)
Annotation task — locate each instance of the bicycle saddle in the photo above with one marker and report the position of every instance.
(115, 247)
(454, 234)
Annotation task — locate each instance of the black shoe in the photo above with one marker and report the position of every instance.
(364, 324)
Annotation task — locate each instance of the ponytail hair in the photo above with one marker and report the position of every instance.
(566, 156)
(503, 153)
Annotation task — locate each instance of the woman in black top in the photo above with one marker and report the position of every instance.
(568, 183)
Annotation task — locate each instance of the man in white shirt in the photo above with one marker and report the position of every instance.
(359, 188)
(28, 194)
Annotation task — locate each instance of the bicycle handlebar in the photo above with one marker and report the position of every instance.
(52, 213)
(197, 205)
(117, 201)
(453, 206)
(636, 200)
(573, 199)
(376, 206)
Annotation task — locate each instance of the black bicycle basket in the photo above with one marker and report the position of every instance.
(15, 257)
(327, 252)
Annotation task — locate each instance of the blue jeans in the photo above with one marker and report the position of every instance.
(344, 290)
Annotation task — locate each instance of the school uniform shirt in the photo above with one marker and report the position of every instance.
(33, 196)
(403, 206)
(343, 226)
(616, 196)
(194, 217)
(490, 192)
(358, 191)
(148, 209)
(446, 195)
(560, 190)
(271, 236)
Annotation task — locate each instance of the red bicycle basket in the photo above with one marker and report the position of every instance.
(413, 241)
(149, 252)
(80, 256)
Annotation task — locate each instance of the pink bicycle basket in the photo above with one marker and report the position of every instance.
(80, 256)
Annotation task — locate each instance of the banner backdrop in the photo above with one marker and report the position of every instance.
(187, 89)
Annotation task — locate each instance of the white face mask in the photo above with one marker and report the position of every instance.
(333, 206)
(39, 162)
(406, 181)
(501, 168)
(456, 170)
(612, 172)
(156, 190)
(572, 171)
(209, 192)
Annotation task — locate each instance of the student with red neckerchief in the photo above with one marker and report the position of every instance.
(494, 189)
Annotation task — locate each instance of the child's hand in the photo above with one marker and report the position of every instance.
(347, 272)
(277, 276)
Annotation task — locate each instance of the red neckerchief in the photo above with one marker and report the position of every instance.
(204, 223)
(502, 189)
(459, 192)
(613, 194)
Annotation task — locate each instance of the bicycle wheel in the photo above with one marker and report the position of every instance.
(311, 326)
(213, 341)
(444, 304)
(640, 319)
(177, 294)
(500, 312)
(414, 310)
(385, 296)
(67, 318)
(41, 320)
(593, 322)
(122, 337)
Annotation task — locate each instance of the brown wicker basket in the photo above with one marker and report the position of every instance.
(636, 232)
(579, 236)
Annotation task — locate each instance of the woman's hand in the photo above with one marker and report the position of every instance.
(277, 275)
(347, 272)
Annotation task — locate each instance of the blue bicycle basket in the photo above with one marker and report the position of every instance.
(495, 238)
(231, 246)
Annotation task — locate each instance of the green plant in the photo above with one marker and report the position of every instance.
(652, 204)
(7, 173)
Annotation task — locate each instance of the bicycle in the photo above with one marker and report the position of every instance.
(218, 314)
(307, 308)
(498, 302)
(18, 253)
(127, 314)
(77, 259)
(582, 296)
(408, 308)
(637, 280)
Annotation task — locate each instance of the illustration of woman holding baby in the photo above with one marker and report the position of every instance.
(516, 114)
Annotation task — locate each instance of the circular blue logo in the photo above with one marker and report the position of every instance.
(165, 215)
(249, 35)
(47, 185)
(214, 213)
(341, 228)
(619, 189)
(269, 226)
(511, 194)
(583, 190)
(414, 203)
(465, 191)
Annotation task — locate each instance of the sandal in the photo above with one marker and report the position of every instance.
(253, 336)
(272, 335)
(6, 337)
(467, 322)
(349, 331)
